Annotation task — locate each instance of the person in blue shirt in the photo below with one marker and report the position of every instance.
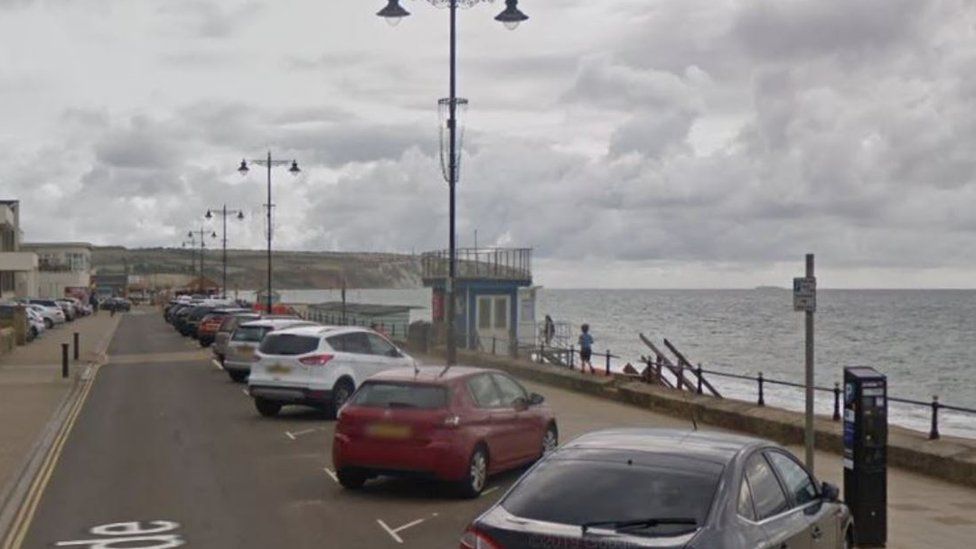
(586, 348)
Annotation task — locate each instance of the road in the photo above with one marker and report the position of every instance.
(166, 436)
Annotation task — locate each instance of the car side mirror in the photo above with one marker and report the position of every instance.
(536, 399)
(393, 353)
(829, 492)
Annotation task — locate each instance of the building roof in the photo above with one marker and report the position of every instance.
(362, 309)
(86, 245)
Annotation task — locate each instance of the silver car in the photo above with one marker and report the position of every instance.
(666, 488)
(246, 338)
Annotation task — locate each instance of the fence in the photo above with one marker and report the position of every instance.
(490, 263)
(397, 331)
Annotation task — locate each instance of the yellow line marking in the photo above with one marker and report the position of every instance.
(22, 522)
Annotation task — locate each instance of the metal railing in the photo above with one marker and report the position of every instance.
(490, 263)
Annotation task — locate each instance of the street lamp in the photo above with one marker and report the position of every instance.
(511, 17)
(269, 163)
(202, 234)
(223, 212)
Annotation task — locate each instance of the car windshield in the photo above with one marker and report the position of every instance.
(289, 344)
(616, 489)
(381, 394)
(253, 334)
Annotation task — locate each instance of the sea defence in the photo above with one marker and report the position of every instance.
(949, 458)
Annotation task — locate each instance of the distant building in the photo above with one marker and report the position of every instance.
(111, 285)
(18, 269)
(495, 300)
(64, 268)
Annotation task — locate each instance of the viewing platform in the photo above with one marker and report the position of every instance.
(509, 264)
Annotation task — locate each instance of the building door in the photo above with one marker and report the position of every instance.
(493, 313)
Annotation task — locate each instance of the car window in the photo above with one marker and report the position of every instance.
(484, 391)
(767, 494)
(288, 344)
(253, 334)
(795, 477)
(607, 485)
(510, 390)
(380, 346)
(745, 507)
(400, 395)
(355, 342)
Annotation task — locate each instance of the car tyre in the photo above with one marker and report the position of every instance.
(351, 479)
(267, 408)
(238, 377)
(476, 476)
(204, 343)
(341, 392)
(550, 440)
(48, 323)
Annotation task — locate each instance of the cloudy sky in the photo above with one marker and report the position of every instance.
(631, 143)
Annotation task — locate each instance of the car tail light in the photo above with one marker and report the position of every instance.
(476, 539)
(316, 360)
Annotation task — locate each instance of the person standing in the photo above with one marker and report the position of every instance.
(93, 301)
(586, 348)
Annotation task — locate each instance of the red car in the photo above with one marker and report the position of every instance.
(461, 426)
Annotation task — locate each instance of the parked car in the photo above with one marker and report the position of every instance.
(70, 312)
(242, 347)
(666, 488)
(461, 426)
(8, 310)
(210, 323)
(319, 366)
(227, 326)
(49, 310)
(36, 321)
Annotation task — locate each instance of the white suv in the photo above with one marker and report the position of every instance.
(318, 366)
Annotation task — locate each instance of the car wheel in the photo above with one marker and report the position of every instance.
(238, 377)
(204, 343)
(267, 408)
(351, 479)
(476, 475)
(48, 323)
(340, 394)
(550, 440)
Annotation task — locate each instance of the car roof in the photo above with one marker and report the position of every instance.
(430, 374)
(703, 445)
(276, 323)
(308, 328)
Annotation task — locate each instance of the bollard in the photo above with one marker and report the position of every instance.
(836, 401)
(934, 433)
(572, 356)
(699, 372)
(608, 361)
(762, 400)
(64, 360)
(494, 340)
(77, 350)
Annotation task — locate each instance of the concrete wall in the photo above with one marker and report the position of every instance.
(51, 284)
(949, 458)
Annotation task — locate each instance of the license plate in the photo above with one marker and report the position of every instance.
(279, 369)
(247, 351)
(386, 430)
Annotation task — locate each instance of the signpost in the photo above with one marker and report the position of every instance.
(805, 300)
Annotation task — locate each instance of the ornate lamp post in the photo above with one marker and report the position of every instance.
(192, 236)
(269, 163)
(223, 212)
(511, 17)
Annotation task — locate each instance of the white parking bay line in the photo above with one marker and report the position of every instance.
(331, 473)
(216, 364)
(289, 435)
(245, 392)
(488, 491)
(299, 433)
(392, 533)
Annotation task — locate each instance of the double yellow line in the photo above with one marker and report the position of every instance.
(21, 523)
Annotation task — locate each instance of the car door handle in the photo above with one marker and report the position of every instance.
(817, 533)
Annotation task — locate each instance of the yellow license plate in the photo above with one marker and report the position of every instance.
(247, 351)
(278, 369)
(386, 430)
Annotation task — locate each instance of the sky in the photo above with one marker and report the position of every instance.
(630, 143)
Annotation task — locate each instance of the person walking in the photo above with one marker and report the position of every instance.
(93, 301)
(549, 330)
(586, 348)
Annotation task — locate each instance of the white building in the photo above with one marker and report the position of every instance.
(18, 268)
(63, 268)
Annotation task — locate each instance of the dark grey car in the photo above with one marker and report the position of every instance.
(666, 488)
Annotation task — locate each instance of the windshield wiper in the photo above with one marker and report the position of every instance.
(638, 523)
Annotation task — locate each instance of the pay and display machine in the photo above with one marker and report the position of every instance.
(866, 453)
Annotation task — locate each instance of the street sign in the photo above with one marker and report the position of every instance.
(805, 294)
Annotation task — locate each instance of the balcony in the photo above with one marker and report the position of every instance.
(18, 261)
(514, 264)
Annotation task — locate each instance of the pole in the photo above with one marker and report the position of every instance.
(77, 349)
(808, 431)
(64, 360)
(224, 258)
(268, 299)
(452, 173)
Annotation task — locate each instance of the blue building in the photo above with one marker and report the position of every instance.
(495, 299)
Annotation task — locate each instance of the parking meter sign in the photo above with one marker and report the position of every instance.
(805, 294)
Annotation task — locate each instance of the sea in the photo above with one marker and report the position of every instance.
(922, 340)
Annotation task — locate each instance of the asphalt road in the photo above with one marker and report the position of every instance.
(166, 436)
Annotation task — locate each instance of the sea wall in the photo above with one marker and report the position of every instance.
(949, 458)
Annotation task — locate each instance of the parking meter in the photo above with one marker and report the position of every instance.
(866, 453)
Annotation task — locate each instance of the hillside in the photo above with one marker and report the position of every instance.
(247, 269)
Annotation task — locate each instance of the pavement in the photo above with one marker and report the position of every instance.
(167, 450)
(32, 389)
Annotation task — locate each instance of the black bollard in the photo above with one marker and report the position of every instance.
(64, 360)
(77, 346)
